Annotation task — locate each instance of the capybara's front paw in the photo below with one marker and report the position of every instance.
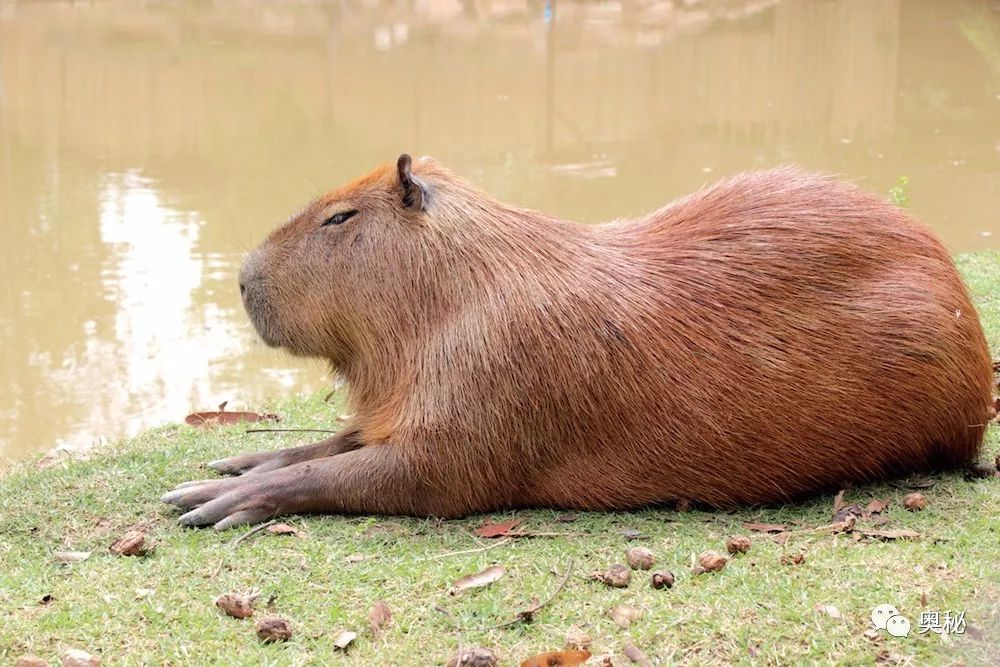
(249, 463)
(224, 503)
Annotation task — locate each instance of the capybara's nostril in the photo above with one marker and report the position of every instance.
(243, 288)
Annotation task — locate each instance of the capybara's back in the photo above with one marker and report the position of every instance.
(774, 335)
(777, 334)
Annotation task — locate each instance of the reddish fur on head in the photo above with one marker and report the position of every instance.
(776, 334)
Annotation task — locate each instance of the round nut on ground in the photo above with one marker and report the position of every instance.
(473, 657)
(577, 639)
(663, 579)
(616, 576)
(31, 661)
(738, 544)
(712, 561)
(914, 502)
(74, 657)
(624, 615)
(640, 558)
(132, 543)
(235, 605)
(273, 629)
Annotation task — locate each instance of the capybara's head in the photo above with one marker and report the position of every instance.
(323, 283)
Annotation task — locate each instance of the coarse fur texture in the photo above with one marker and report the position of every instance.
(774, 335)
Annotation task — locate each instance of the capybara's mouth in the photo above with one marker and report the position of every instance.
(259, 310)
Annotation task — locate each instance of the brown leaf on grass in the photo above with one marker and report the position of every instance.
(212, 418)
(923, 598)
(483, 578)
(922, 483)
(781, 538)
(236, 604)
(274, 629)
(878, 505)
(567, 517)
(379, 616)
(282, 529)
(132, 543)
(766, 527)
(557, 659)
(473, 657)
(71, 556)
(901, 534)
(343, 639)
(793, 559)
(491, 530)
(633, 653)
(848, 513)
(624, 615)
(74, 657)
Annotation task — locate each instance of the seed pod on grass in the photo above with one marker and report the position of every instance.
(914, 502)
(663, 579)
(273, 629)
(712, 561)
(616, 576)
(640, 558)
(738, 544)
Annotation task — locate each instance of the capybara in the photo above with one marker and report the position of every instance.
(777, 334)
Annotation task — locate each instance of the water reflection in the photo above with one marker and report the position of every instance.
(144, 147)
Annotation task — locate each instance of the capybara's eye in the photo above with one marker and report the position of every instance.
(339, 218)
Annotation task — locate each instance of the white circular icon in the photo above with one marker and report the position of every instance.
(881, 615)
(898, 626)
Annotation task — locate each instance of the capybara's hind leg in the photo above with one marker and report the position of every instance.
(259, 462)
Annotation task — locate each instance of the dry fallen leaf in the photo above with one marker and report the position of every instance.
(712, 561)
(359, 558)
(560, 658)
(503, 529)
(270, 630)
(636, 656)
(640, 558)
(915, 502)
(616, 576)
(766, 527)
(206, 419)
(738, 544)
(343, 639)
(71, 556)
(282, 529)
(624, 615)
(379, 616)
(878, 505)
(473, 657)
(662, 579)
(132, 543)
(484, 578)
(793, 559)
(567, 517)
(74, 657)
(236, 604)
(838, 501)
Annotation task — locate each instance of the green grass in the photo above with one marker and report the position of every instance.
(159, 609)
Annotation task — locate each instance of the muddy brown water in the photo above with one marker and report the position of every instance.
(145, 146)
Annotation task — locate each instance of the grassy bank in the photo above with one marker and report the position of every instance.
(762, 608)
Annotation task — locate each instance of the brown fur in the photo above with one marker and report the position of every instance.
(774, 335)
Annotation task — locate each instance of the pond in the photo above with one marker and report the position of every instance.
(144, 147)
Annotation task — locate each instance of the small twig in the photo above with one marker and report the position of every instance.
(256, 529)
(290, 430)
(527, 616)
(469, 551)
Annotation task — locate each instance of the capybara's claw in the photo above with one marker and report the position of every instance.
(229, 502)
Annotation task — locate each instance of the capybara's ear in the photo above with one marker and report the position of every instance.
(414, 192)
